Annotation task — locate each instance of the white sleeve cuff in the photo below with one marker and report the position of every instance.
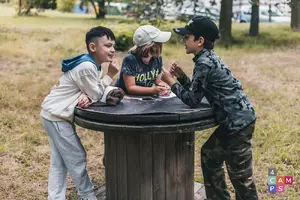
(107, 80)
(107, 90)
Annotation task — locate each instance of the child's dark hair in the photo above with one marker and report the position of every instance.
(97, 32)
(207, 44)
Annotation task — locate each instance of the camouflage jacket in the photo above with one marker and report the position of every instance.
(212, 79)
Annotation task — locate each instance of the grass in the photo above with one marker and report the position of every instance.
(31, 49)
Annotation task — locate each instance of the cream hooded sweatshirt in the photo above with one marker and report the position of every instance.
(85, 78)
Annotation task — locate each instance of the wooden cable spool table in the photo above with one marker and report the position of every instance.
(149, 146)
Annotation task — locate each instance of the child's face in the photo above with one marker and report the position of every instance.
(151, 50)
(192, 46)
(155, 50)
(104, 49)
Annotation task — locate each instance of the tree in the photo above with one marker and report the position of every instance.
(65, 5)
(20, 7)
(24, 7)
(295, 15)
(225, 21)
(99, 10)
(254, 25)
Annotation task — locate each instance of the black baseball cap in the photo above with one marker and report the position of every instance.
(202, 26)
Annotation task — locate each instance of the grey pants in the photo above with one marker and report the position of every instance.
(67, 155)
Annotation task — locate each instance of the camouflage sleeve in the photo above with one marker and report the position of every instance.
(185, 81)
(194, 96)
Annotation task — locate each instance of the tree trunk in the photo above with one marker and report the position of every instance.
(254, 26)
(95, 8)
(101, 12)
(295, 17)
(20, 8)
(87, 10)
(27, 12)
(225, 21)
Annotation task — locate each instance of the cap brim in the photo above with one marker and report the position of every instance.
(133, 48)
(181, 31)
(162, 37)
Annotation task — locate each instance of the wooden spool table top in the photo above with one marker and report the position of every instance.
(142, 114)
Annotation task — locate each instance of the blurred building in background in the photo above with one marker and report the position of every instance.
(170, 10)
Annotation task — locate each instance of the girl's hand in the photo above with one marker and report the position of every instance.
(159, 89)
(167, 90)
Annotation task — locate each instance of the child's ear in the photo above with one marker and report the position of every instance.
(92, 47)
(201, 41)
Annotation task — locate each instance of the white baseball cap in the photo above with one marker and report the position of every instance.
(147, 34)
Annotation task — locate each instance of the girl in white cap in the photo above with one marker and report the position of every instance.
(142, 66)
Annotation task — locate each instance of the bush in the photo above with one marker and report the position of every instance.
(65, 5)
(123, 42)
(124, 34)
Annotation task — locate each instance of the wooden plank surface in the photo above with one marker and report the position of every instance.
(122, 168)
(171, 167)
(199, 192)
(180, 147)
(150, 167)
(133, 164)
(111, 164)
(189, 149)
(159, 167)
(146, 172)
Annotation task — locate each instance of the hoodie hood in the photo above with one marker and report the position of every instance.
(70, 63)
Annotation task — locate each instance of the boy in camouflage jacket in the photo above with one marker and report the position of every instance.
(231, 141)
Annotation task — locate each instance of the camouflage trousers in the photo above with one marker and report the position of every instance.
(236, 151)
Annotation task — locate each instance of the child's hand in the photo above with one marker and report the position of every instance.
(159, 89)
(166, 92)
(113, 69)
(161, 83)
(167, 77)
(83, 101)
(175, 70)
(115, 96)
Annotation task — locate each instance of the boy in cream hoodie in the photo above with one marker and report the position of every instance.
(81, 85)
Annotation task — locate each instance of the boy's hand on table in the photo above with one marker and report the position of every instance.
(115, 96)
(83, 101)
(113, 68)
